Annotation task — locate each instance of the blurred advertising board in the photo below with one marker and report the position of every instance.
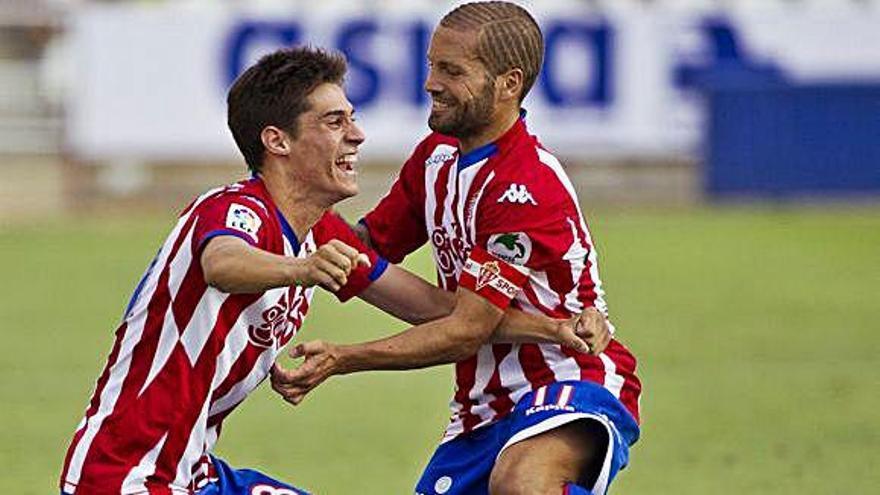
(150, 79)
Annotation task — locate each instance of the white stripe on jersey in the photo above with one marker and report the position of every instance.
(204, 316)
(554, 165)
(512, 376)
(613, 381)
(235, 343)
(477, 393)
(539, 283)
(465, 179)
(134, 481)
(168, 339)
(575, 254)
(563, 367)
(472, 219)
(432, 170)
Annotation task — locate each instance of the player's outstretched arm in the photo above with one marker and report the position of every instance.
(232, 265)
(408, 297)
(445, 340)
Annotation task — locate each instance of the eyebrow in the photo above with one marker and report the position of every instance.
(338, 113)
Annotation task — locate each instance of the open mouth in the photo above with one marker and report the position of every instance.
(346, 164)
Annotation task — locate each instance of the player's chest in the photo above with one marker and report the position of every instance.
(279, 313)
(453, 198)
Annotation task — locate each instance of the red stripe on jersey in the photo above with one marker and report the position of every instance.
(534, 366)
(466, 377)
(591, 367)
(192, 289)
(502, 404)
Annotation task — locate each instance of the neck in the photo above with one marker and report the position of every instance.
(499, 126)
(300, 208)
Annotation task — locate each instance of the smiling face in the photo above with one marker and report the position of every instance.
(324, 151)
(462, 91)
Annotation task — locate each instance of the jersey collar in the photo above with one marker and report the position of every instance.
(286, 229)
(491, 149)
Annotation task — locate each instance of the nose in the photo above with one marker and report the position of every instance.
(432, 86)
(355, 134)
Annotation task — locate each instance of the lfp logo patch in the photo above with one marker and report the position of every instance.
(243, 219)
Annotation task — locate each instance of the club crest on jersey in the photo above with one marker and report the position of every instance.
(489, 271)
(243, 219)
(512, 247)
(517, 194)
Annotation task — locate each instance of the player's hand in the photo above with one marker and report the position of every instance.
(319, 364)
(592, 327)
(330, 265)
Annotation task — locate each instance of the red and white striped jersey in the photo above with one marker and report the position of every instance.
(187, 354)
(513, 199)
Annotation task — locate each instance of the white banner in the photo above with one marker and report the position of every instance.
(151, 80)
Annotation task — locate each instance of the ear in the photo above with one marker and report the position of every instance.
(510, 84)
(275, 140)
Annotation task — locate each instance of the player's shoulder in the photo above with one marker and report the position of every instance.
(435, 147)
(250, 193)
(531, 174)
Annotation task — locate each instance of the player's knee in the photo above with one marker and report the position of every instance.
(516, 477)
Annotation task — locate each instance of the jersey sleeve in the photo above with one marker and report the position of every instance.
(492, 278)
(330, 227)
(536, 231)
(533, 221)
(397, 224)
(232, 214)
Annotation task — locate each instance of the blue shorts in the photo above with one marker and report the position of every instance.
(242, 482)
(462, 466)
(245, 482)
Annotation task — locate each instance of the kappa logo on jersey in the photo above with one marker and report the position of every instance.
(441, 154)
(517, 193)
(243, 219)
(513, 247)
(279, 321)
(489, 271)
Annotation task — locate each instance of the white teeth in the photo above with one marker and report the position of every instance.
(347, 162)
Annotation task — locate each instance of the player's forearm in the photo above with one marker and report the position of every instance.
(407, 297)
(519, 326)
(438, 342)
(237, 268)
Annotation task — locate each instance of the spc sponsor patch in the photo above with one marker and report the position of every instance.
(491, 278)
(243, 219)
(513, 247)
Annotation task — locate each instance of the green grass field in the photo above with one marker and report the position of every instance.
(758, 334)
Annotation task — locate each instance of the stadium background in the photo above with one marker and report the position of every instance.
(726, 154)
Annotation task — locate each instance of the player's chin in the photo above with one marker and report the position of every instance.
(442, 122)
(347, 186)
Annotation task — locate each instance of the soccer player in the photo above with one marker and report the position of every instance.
(506, 228)
(231, 286)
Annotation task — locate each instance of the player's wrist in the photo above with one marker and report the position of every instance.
(344, 362)
(296, 272)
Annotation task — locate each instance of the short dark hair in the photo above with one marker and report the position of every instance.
(275, 91)
(508, 37)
